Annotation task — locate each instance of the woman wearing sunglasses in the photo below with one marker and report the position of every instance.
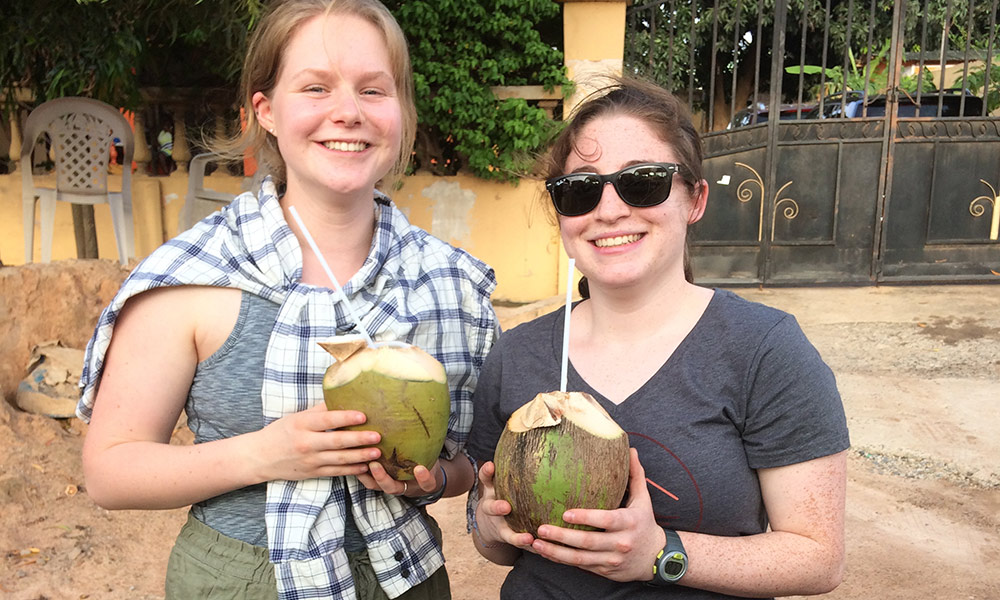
(738, 435)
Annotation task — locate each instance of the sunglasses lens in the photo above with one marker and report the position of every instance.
(645, 185)
(576, 194)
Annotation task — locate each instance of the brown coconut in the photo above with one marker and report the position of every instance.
(560, 451)
(402, 390)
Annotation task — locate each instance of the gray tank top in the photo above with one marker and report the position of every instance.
(224, 401)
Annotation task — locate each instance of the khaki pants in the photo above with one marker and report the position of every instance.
(207, 565)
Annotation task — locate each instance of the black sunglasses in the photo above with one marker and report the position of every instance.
(642, 185)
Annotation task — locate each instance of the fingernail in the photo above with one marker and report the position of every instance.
(373, 453)
(543, 531)
(568, 516)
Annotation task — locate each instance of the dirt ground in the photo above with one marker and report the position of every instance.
(919, 370)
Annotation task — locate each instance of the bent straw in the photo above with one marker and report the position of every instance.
(329, 273)
(569, 306)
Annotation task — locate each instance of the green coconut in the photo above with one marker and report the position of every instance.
(402, 389)
(560, 451)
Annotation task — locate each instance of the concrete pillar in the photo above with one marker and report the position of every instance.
(593, 48)
(141, 155)
(593, 44)
(181, 151)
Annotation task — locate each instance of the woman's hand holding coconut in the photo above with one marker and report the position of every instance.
(425, 481)
(314, 443)
(493, 536)
(625, 543)
(445, 478)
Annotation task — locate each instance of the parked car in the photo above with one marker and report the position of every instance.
(745, 117)
(951, 105)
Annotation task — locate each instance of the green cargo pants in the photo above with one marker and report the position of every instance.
(207, 565)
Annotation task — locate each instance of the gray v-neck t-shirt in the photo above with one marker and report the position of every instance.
(745, 390)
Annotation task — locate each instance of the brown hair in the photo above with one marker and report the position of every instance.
(649, 103)
(262, 65)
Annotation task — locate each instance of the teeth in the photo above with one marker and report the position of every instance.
(346, 146)
(617, 241)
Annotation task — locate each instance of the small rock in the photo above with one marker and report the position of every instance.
(50, 388)
(39, 403)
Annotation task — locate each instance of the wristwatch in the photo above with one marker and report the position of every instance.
(671, 563)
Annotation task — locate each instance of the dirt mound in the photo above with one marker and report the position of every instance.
(58, 301)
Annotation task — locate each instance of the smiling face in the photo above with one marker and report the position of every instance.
(617, 245)
(334, 109)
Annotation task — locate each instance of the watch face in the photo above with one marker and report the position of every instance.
(673, 568)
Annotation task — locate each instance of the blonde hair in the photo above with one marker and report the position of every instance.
(265, 51)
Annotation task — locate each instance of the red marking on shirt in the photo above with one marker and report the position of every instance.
(657, 486)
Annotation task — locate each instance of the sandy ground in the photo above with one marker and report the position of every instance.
(919, 370)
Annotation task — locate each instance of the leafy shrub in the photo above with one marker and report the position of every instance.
(459, 49)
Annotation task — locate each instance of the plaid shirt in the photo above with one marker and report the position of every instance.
(412, 287)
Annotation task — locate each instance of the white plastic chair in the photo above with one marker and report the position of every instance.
(197, 194)
(81, 131)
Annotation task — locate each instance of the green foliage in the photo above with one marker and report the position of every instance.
(976, 82)
(909, 83)
(672, 42)
(952, 16)
(873, 75)
(459, 49)
(109, 49)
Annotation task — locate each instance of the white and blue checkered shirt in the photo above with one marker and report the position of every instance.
(412, 287)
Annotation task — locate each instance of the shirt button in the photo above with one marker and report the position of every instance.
(399, 557)
(405, 573)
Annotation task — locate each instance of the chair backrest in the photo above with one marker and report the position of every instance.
(81, 131)
(196, 173)
(198, 194)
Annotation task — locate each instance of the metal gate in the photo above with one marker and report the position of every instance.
(810, 182)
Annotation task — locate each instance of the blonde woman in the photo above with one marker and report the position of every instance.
(222, 322)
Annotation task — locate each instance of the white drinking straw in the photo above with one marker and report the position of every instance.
(569, 306)
(329, 273)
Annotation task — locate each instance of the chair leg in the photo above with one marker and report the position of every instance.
(47, 216)
(28, 214)
(121, 221)
(186, 216)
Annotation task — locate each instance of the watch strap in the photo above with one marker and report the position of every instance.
(672, 553)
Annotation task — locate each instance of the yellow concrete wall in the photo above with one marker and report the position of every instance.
(589, 32)
(504, 225)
